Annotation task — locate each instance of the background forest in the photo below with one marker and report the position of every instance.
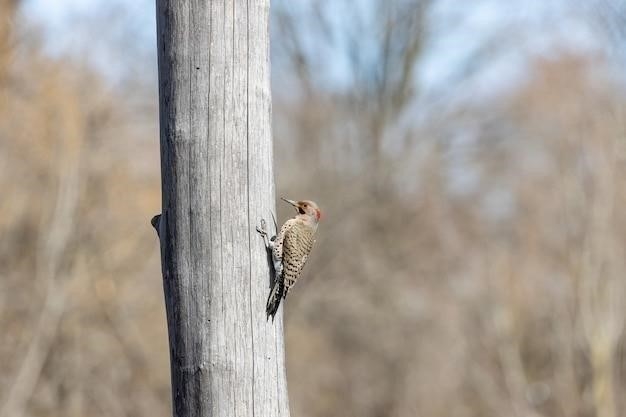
(470, 159)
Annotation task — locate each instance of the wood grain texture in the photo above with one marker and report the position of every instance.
(217, 182)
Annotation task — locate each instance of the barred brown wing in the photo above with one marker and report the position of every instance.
(297, 245)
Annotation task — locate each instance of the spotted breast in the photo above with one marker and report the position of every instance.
(297, 244)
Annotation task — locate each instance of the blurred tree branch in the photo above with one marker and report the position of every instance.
(55, 231)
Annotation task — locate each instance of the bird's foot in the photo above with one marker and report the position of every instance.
(261, 228)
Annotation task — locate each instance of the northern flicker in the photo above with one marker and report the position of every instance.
(290, 249)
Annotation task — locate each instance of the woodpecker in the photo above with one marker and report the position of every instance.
(290, 249)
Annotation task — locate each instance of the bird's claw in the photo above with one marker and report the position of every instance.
(262, 228)
(267, 239)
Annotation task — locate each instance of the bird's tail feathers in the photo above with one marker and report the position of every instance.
(273, 301)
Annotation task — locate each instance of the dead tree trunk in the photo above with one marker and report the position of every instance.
(217, 182)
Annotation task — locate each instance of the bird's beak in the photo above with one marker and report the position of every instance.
(293, 203)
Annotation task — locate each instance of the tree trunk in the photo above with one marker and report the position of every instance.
(217, 182)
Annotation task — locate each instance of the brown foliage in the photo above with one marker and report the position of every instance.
(80, 298)
(504, 296)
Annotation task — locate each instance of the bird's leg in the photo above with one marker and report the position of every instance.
(277, 263)
(261, 229)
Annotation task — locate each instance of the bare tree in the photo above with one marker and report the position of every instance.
(217, 182)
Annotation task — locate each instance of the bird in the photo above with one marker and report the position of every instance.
(290, 249)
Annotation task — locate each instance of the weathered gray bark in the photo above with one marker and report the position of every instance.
(217, 182)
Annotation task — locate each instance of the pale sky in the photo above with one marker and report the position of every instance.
(461, 32)
(116, 36)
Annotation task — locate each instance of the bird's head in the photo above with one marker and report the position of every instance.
(307, 209)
